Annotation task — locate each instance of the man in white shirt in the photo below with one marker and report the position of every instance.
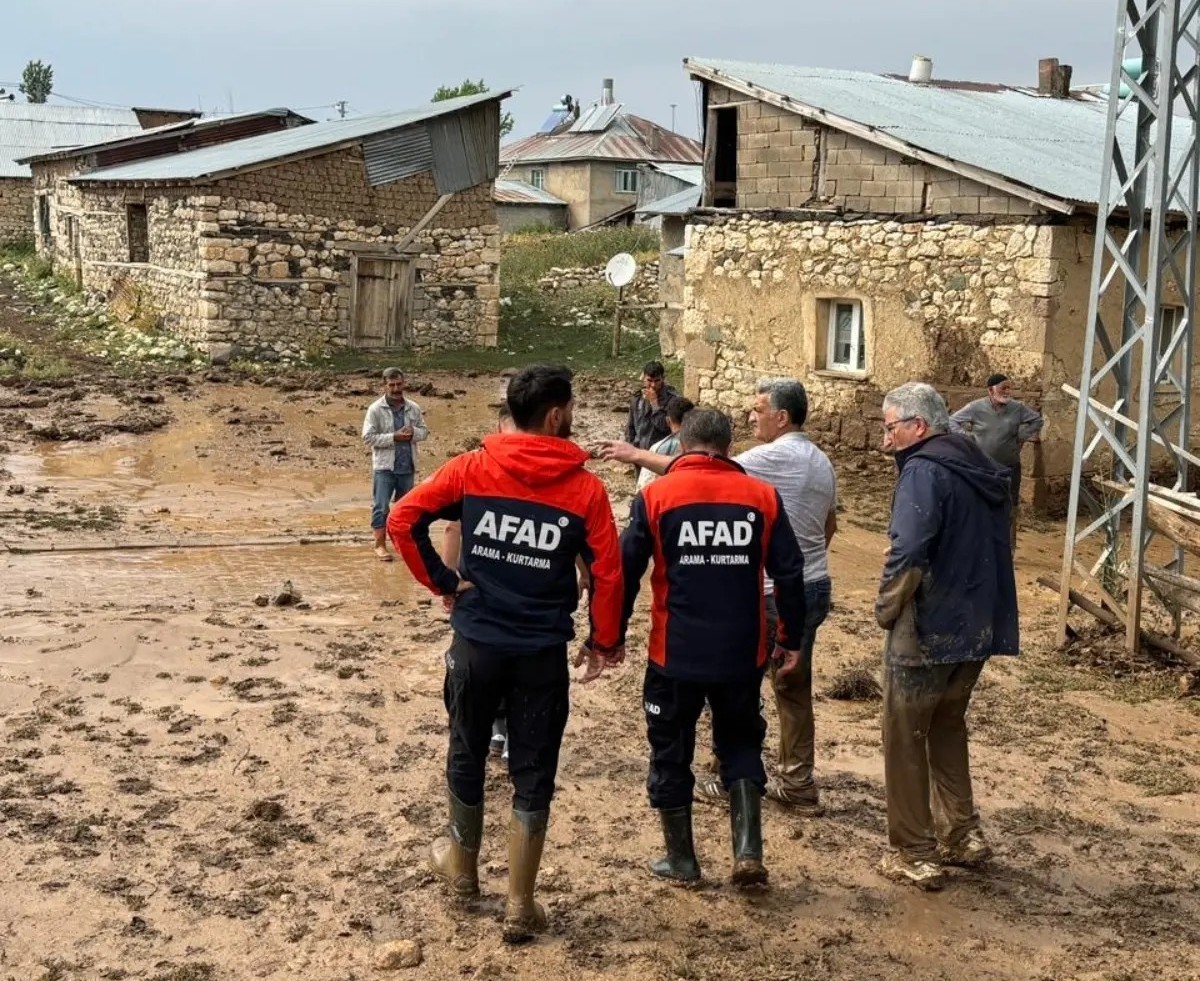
(805, 480)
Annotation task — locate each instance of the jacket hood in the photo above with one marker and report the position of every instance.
(534, 460)
(962, 456)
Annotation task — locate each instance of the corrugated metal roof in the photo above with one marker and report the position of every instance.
(200, 123)
(397, 154)
(216, 160)
(1055, 146)
(627, 137)
(27, 130)
(691, 173)
(518, 192)
(679, 203)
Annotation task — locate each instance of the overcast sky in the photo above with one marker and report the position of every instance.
(392, 54)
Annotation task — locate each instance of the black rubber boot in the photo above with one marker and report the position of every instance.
(680, 863)
(456, 858)
(745, 820)
(523, 916)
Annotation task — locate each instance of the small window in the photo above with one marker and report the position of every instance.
(1169, 319)
(139, 232)
(627, 181)
(847, 339)
(43, 210)
(537, 177)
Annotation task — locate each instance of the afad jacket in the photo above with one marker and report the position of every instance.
(528, 508)
(712, 531)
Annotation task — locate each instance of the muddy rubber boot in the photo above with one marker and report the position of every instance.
(745, 821)
(680, 863)
(455, 859)
(526, 836)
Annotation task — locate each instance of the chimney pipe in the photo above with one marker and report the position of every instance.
(606, 99)
(921, 71)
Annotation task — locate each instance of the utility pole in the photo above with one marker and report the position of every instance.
(341, 108)
(1136, 380)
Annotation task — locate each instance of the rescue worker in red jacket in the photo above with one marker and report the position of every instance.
(527, 509)
(712, 531)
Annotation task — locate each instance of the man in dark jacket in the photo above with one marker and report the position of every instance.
(948, 600)
(712, 531)
(528, 509)
(647, 422)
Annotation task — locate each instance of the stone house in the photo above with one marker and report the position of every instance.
(858, 231)
(374, 232)
(521, 206)
(591, 158)
(27, 129)
(671, 215)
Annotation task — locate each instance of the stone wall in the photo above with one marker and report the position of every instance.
(16, 209)
(643, 289)
(786, 161)
(262, 262)
(946, 302)
(517, 217)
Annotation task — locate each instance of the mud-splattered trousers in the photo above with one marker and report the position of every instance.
(534, 687)
(925, 757)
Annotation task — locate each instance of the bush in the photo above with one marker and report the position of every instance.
(17, 249)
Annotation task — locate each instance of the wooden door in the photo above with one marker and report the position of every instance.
(382, 302)
(76, 248)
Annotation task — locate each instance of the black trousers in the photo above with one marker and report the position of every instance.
(533, 686)
(673, 708)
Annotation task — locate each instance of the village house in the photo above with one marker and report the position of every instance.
(668, 193)
(521, 207)
(32, 128)
(373, 232)
(858, 231)
(590, 158)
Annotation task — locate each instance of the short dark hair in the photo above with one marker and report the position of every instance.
(504, 412)
(390, 373)
(678, 407)
(653, 369)
(535, 390)
(786, 395)
(997, 379)
(706, 429)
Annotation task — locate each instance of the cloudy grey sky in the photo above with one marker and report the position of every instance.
(392, 54)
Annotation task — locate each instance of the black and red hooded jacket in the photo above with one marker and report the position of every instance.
(712, 531)
(528, 508)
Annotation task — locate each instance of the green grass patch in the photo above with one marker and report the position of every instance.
(527, 258)
(20, 359)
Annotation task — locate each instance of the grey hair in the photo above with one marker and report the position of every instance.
(390, 373)
(786, 395)
(916, 400)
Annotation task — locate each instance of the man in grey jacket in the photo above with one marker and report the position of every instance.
(1001, 426)
(392, 429)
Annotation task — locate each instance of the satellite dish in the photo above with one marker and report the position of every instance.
(620, 270)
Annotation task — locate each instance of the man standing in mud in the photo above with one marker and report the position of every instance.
(1001, 426)
(528, 509)
(948, 601)
(712, 532)
(391, 430)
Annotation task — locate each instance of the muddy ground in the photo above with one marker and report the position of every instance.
(196, 787)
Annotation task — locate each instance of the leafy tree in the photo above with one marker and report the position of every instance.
(36, 81)
(468, 87)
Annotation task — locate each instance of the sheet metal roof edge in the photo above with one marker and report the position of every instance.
(697, 69)
(435, 110)
(197, 122)
(679, 203)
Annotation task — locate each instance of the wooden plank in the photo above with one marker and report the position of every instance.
(1184, 533)
(352, 333)
(425, 220)
(1125, 420)
(1164, 644)
(710, 156)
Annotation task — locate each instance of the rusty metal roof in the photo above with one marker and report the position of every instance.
(27, 130)
(519, 192)
(627, 137)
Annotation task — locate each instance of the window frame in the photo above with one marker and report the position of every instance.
(617, 180)
(858, 348)
(130, 208)
(537, 177)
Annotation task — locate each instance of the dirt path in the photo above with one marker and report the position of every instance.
(194, 787)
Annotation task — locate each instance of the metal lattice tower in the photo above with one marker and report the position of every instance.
(1136, 383)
